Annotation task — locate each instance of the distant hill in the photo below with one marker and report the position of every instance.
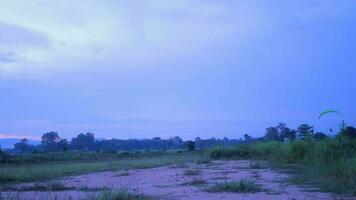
(8, 143)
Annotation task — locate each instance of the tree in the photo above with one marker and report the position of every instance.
(83, 142)
(176, 142)
(190, 145)
(285, 132)
(272, 133)
(247, 138)
(50, 138)
(319, 136)
(3, 156)
(50, 141)
(22, 146)
(63, 145)
(305, 132)
(349, 132)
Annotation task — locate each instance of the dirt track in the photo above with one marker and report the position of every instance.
(170, 183)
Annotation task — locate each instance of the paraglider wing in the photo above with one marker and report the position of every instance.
(328, 112)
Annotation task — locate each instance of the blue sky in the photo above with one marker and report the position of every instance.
(139, 69)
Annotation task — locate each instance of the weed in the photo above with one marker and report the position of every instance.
(192, 172)
(117, 195)
(195, 182)
(242, 186)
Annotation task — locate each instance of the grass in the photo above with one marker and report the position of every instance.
(204, 160)
(192, 172)
(241, 186)
(118, 195)
(26, 172)
(329, 164)
(195, 182)
(42, 187)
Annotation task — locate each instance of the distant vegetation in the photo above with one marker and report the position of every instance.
(329, 162)
(51, 142)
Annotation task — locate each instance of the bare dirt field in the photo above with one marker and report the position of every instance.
(182, 182)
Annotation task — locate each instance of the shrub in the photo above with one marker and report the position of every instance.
(190, 145)
(238, 152)
(350, 132)
(331, 160)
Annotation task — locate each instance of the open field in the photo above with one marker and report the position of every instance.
(214, 180)
(262, 170)
(31, 171)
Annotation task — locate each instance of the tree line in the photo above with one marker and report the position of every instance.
(52, 142)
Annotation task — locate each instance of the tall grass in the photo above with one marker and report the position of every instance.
(330, 162)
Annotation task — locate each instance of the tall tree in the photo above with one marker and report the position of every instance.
(271, 133)
(285, 132)
(22, 146)
(50, 138)
(83, 142)
(190, 145)
(305, 132)
(50, 141)
(247, 138)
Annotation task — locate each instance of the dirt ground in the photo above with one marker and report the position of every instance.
(172, 183)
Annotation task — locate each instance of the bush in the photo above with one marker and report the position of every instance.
(331, 159)
(349, 132)
(238, 152)
(190, 145)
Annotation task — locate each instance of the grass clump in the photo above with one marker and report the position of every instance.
(192, 172)
(118, 195)
(195, 182)
(241, 186)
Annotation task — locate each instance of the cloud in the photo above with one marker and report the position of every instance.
(17, 136)
(53, 36)
(19, 47)
(7, 57)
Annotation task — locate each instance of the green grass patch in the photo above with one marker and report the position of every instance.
(241, 186)
(13, 173)
(118, 195)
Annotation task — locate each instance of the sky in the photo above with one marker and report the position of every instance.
(207, 68)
